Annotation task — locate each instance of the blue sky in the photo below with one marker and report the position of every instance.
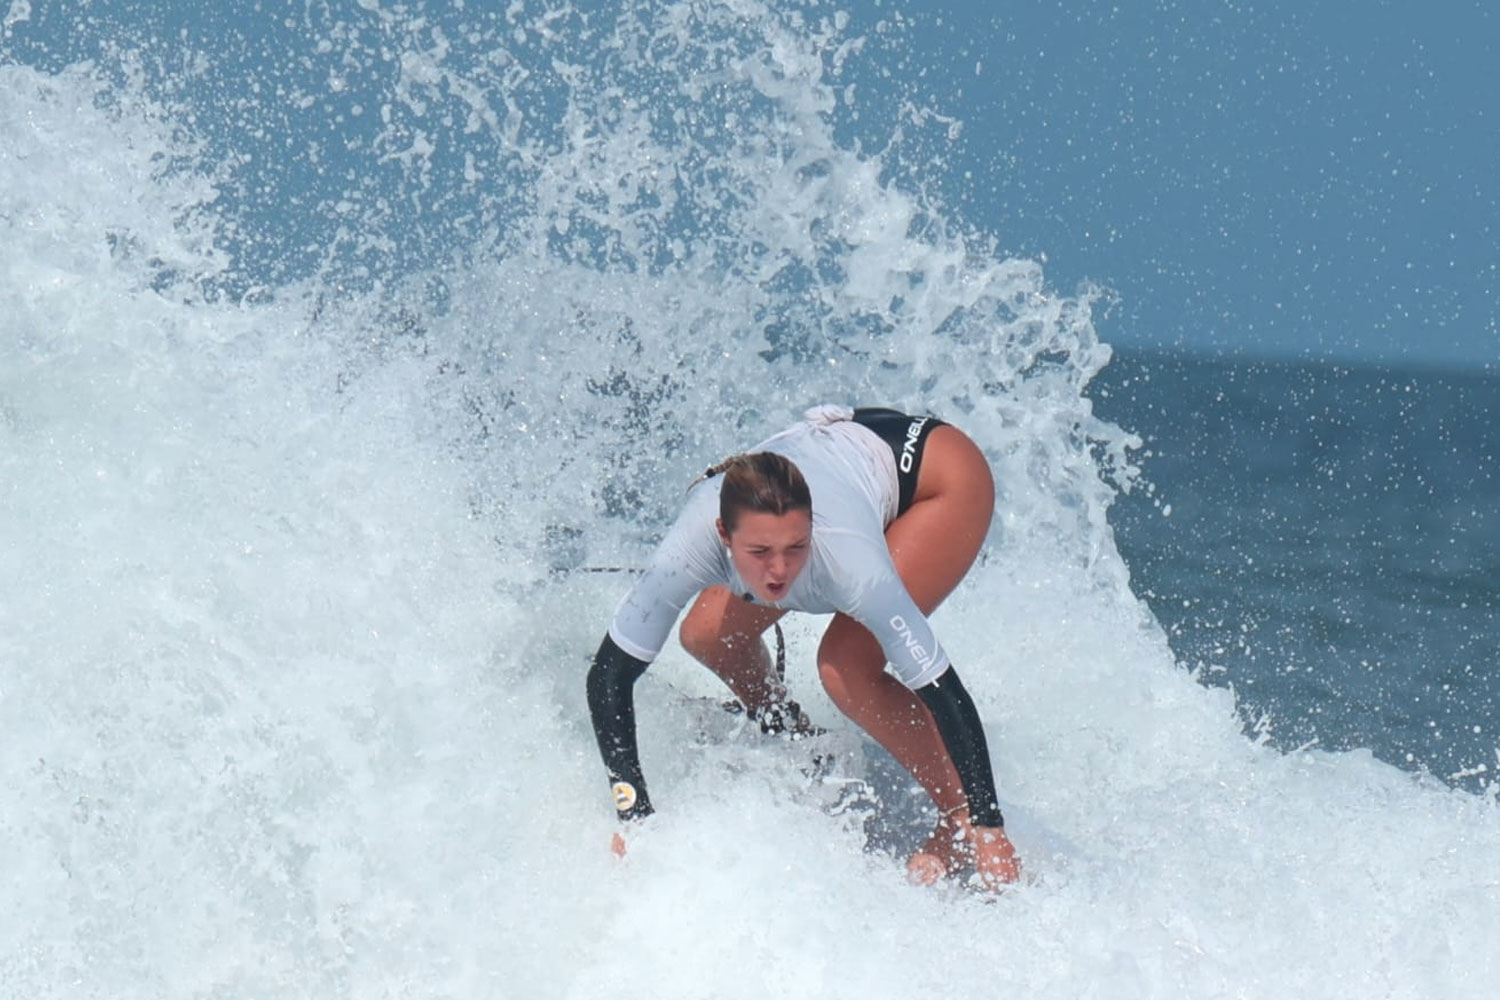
(1317, 179)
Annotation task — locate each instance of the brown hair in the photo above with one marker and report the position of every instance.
(761, 481)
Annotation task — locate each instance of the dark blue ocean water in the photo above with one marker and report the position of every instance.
(1326, 540)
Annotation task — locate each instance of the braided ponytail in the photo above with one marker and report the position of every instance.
(714, 470)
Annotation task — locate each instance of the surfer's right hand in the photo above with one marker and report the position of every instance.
(635, 828)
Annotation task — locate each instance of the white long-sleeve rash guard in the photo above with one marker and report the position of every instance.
(851, 474)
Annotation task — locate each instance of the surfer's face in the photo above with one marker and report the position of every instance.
(769, 550)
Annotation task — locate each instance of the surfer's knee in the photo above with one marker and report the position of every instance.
(843, 685)
(700, 637)
(703, 625)
(834, 681)
(712, 637)
(846, 661)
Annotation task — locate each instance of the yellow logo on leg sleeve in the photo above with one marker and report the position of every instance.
(624, 795)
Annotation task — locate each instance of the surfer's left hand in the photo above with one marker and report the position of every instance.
(955, 844)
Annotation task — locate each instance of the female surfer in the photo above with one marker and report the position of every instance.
(873, 516)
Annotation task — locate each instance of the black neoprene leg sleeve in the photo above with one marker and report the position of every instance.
(958, 723)
(612, 706)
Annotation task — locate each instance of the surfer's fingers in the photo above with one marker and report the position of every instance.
(925, 869)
